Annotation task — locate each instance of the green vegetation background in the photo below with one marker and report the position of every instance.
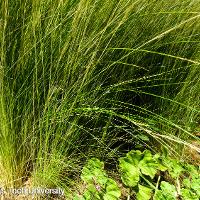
(84, 78)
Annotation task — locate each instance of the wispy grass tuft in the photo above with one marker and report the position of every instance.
(83, 78)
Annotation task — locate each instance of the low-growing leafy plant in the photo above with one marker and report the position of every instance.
(141, 163)
(98, 184)
(145, 176)
(167, 192)
(135, 166)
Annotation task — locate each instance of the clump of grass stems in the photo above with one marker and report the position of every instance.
(84, 78)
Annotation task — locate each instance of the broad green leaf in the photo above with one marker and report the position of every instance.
(129, 168)
(112, 190)
(174, 167)
(159, 196)
(168, 188)
(167, 192)
(177, 169)
(188, 195)
(134, 157)
(95, 163)
(91, 193)
(93, 176)
(144, 193)
(163, 196)
(192, 170)
(129, 172)
(161, 166)
(134, 162)
(148, 165)
(99, 186)
(109, 197)
(93, 172)
(195, 185)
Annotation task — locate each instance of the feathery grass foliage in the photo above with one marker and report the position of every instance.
(82, 78)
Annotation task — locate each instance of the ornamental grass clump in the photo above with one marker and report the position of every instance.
(83, 78)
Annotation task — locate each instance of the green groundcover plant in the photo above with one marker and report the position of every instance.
(141, 176)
